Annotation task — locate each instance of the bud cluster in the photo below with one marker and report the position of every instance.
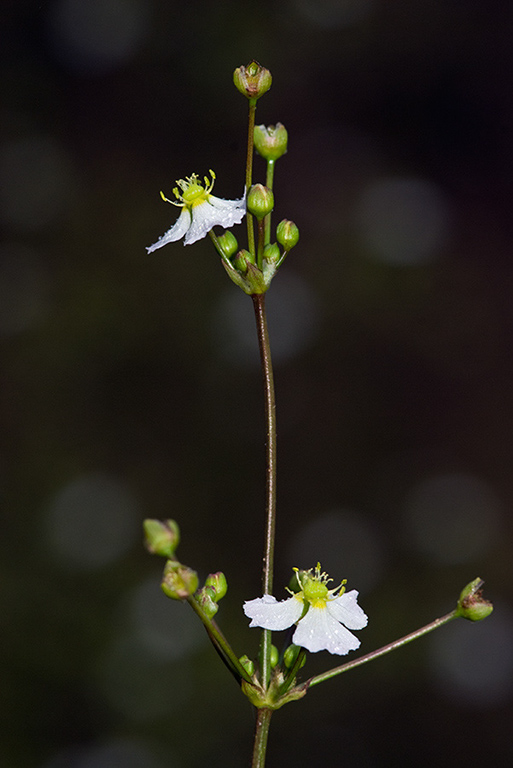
(179, 582)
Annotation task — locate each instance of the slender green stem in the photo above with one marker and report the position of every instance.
(249, 171)
(270, 417)
(382, 651)
(269, 181)
(220, 643)
(261, 734)
(293, 671)
(261, 242)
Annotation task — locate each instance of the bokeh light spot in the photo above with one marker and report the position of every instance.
(98, 35)
(346, 544)
(453, 518)
(24, 286)
(474, 662)
(293, 318)
(403, 221)
(167, 628)
(36, 182)
(92, 521)
(112, 754)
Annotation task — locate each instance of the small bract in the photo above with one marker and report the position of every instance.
(200, 211)
(324, 617)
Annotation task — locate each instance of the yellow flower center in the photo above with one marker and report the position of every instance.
(314, 589)
(193, 192)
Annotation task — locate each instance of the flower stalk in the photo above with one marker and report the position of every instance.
(271, 457)
(384, 650)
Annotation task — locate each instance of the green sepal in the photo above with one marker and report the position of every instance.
(248, 665)
(252, 281)
(253, 80)
(178, 581)
(260, 201)
(472, 604)
(217, 581)
(272, 698)
(205, 597)
(270, 142)
(161, 537)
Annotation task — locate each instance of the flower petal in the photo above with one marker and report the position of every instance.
(176, 232)
(214, 212)
(268, 613)
(318, 631)
(346, 610)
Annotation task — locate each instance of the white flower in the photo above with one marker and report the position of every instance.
(200, 211)
(323, 617)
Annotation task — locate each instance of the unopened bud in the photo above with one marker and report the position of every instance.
(274, 657)
(472, 604)
(271, 142)
(228, 243)
(217, 581)
(179, 582)
(161, 537)
(290, 656)
(243, 260)
(272, 254)
(260, 201)
(206, 599)
(248, 665)
(287, 234)
(253, 80)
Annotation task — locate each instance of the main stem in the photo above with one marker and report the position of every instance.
(261, 733)
(270, 418)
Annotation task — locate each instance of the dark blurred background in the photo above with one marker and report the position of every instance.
(130, 384)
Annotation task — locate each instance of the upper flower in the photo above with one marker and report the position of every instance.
(200, 211)
(322, 614)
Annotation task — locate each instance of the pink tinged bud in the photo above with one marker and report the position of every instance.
(161, 537)
(253, 80)
(206, 599)
(217, 581)
(472, 604)
(179, 582)
(271, 142)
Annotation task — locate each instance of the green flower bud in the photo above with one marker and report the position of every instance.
(228, 243)
(248, 665)
(297, 581)
(260, 201)
(472, 604)
(274, 656)
(287, 234)
(252, 81)
(242, 261)
(217, 581)
(206, 598)
(271, 142)
(272, 254)
(161, 537)
(179, 582)
(245, 274)
(290, 656)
